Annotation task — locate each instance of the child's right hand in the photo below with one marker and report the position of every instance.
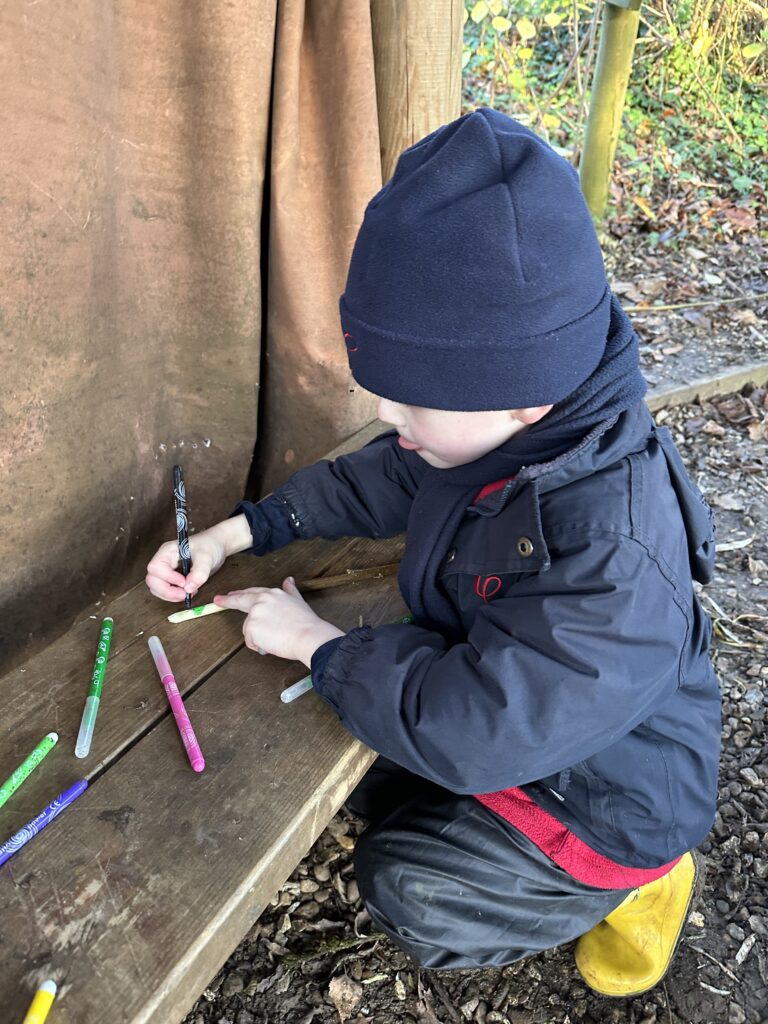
(209, 550)
(163, 577)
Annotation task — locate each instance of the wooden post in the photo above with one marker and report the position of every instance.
(614, 64)
(417, 48)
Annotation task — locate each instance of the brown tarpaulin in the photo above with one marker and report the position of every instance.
(136, 140)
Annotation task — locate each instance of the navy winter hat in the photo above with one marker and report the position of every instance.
(476, 280)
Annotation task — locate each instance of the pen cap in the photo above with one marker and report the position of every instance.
(160, 658)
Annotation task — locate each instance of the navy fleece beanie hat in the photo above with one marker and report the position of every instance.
(476, 281)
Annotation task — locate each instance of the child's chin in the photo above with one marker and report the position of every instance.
(436, 460)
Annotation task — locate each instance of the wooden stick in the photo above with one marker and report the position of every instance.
(376, 572)
(693, 305)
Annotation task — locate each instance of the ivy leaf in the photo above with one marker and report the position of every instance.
(553, 20)
(501, 24)
(525, 28)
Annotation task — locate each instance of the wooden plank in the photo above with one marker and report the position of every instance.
(732, 379)
(140, 891)
(48, 692)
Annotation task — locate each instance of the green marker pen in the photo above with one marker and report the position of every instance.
(27, 766)
(88, 720)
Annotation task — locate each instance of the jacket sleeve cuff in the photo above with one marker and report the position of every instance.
(268, 522)
(331, 662)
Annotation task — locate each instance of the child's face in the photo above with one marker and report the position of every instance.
(445, 439)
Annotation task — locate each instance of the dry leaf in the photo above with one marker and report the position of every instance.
(710, 427)
(639, 201)
(697, 319)
(758, 431)
(730, 502)
(735, 545)
(652, 286)
(345, 995)
(742, 220)
(736, 410)
(745, 316)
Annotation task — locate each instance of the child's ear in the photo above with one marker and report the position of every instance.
(530, 416)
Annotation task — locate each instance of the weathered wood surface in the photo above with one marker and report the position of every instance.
(48, 692)
(417, 59)
(140, 890)
(730, 379)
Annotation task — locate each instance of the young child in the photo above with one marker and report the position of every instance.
(549, 725)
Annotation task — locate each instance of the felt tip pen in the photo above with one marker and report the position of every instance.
(292, 692)
(54, 808)
(182, 526)
(88, 721)
(41, 1003)
(192, 747)
(27, 766)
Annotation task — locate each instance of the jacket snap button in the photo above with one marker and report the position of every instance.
(525, 547)
(451, 555)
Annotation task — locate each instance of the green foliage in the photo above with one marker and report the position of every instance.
(696, 104)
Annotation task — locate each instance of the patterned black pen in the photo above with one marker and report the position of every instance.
(182, 526)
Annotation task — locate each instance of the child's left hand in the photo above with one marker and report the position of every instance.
(279, 622)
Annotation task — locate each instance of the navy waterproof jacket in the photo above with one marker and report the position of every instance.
(585, 679)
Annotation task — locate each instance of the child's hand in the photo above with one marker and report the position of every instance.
(280, 622)
(208, 549)
(165, 581)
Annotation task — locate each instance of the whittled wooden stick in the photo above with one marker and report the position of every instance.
(376, 572)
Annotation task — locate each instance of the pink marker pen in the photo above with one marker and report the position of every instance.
(192, 747)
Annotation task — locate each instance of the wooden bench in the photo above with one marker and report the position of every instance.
(136, 894)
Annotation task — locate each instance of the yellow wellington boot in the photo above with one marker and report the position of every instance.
(631, 950)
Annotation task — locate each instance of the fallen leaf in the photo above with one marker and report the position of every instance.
(735, 545)
(652, 286)
(758, 431)
(697, 319)
(742, 219)
(745, 316)
(729, 502)
(345, 995)
(716, 429)
(639, 201)
(672, 350)
(736, 409)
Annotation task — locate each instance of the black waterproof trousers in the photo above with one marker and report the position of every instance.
(454, 884)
